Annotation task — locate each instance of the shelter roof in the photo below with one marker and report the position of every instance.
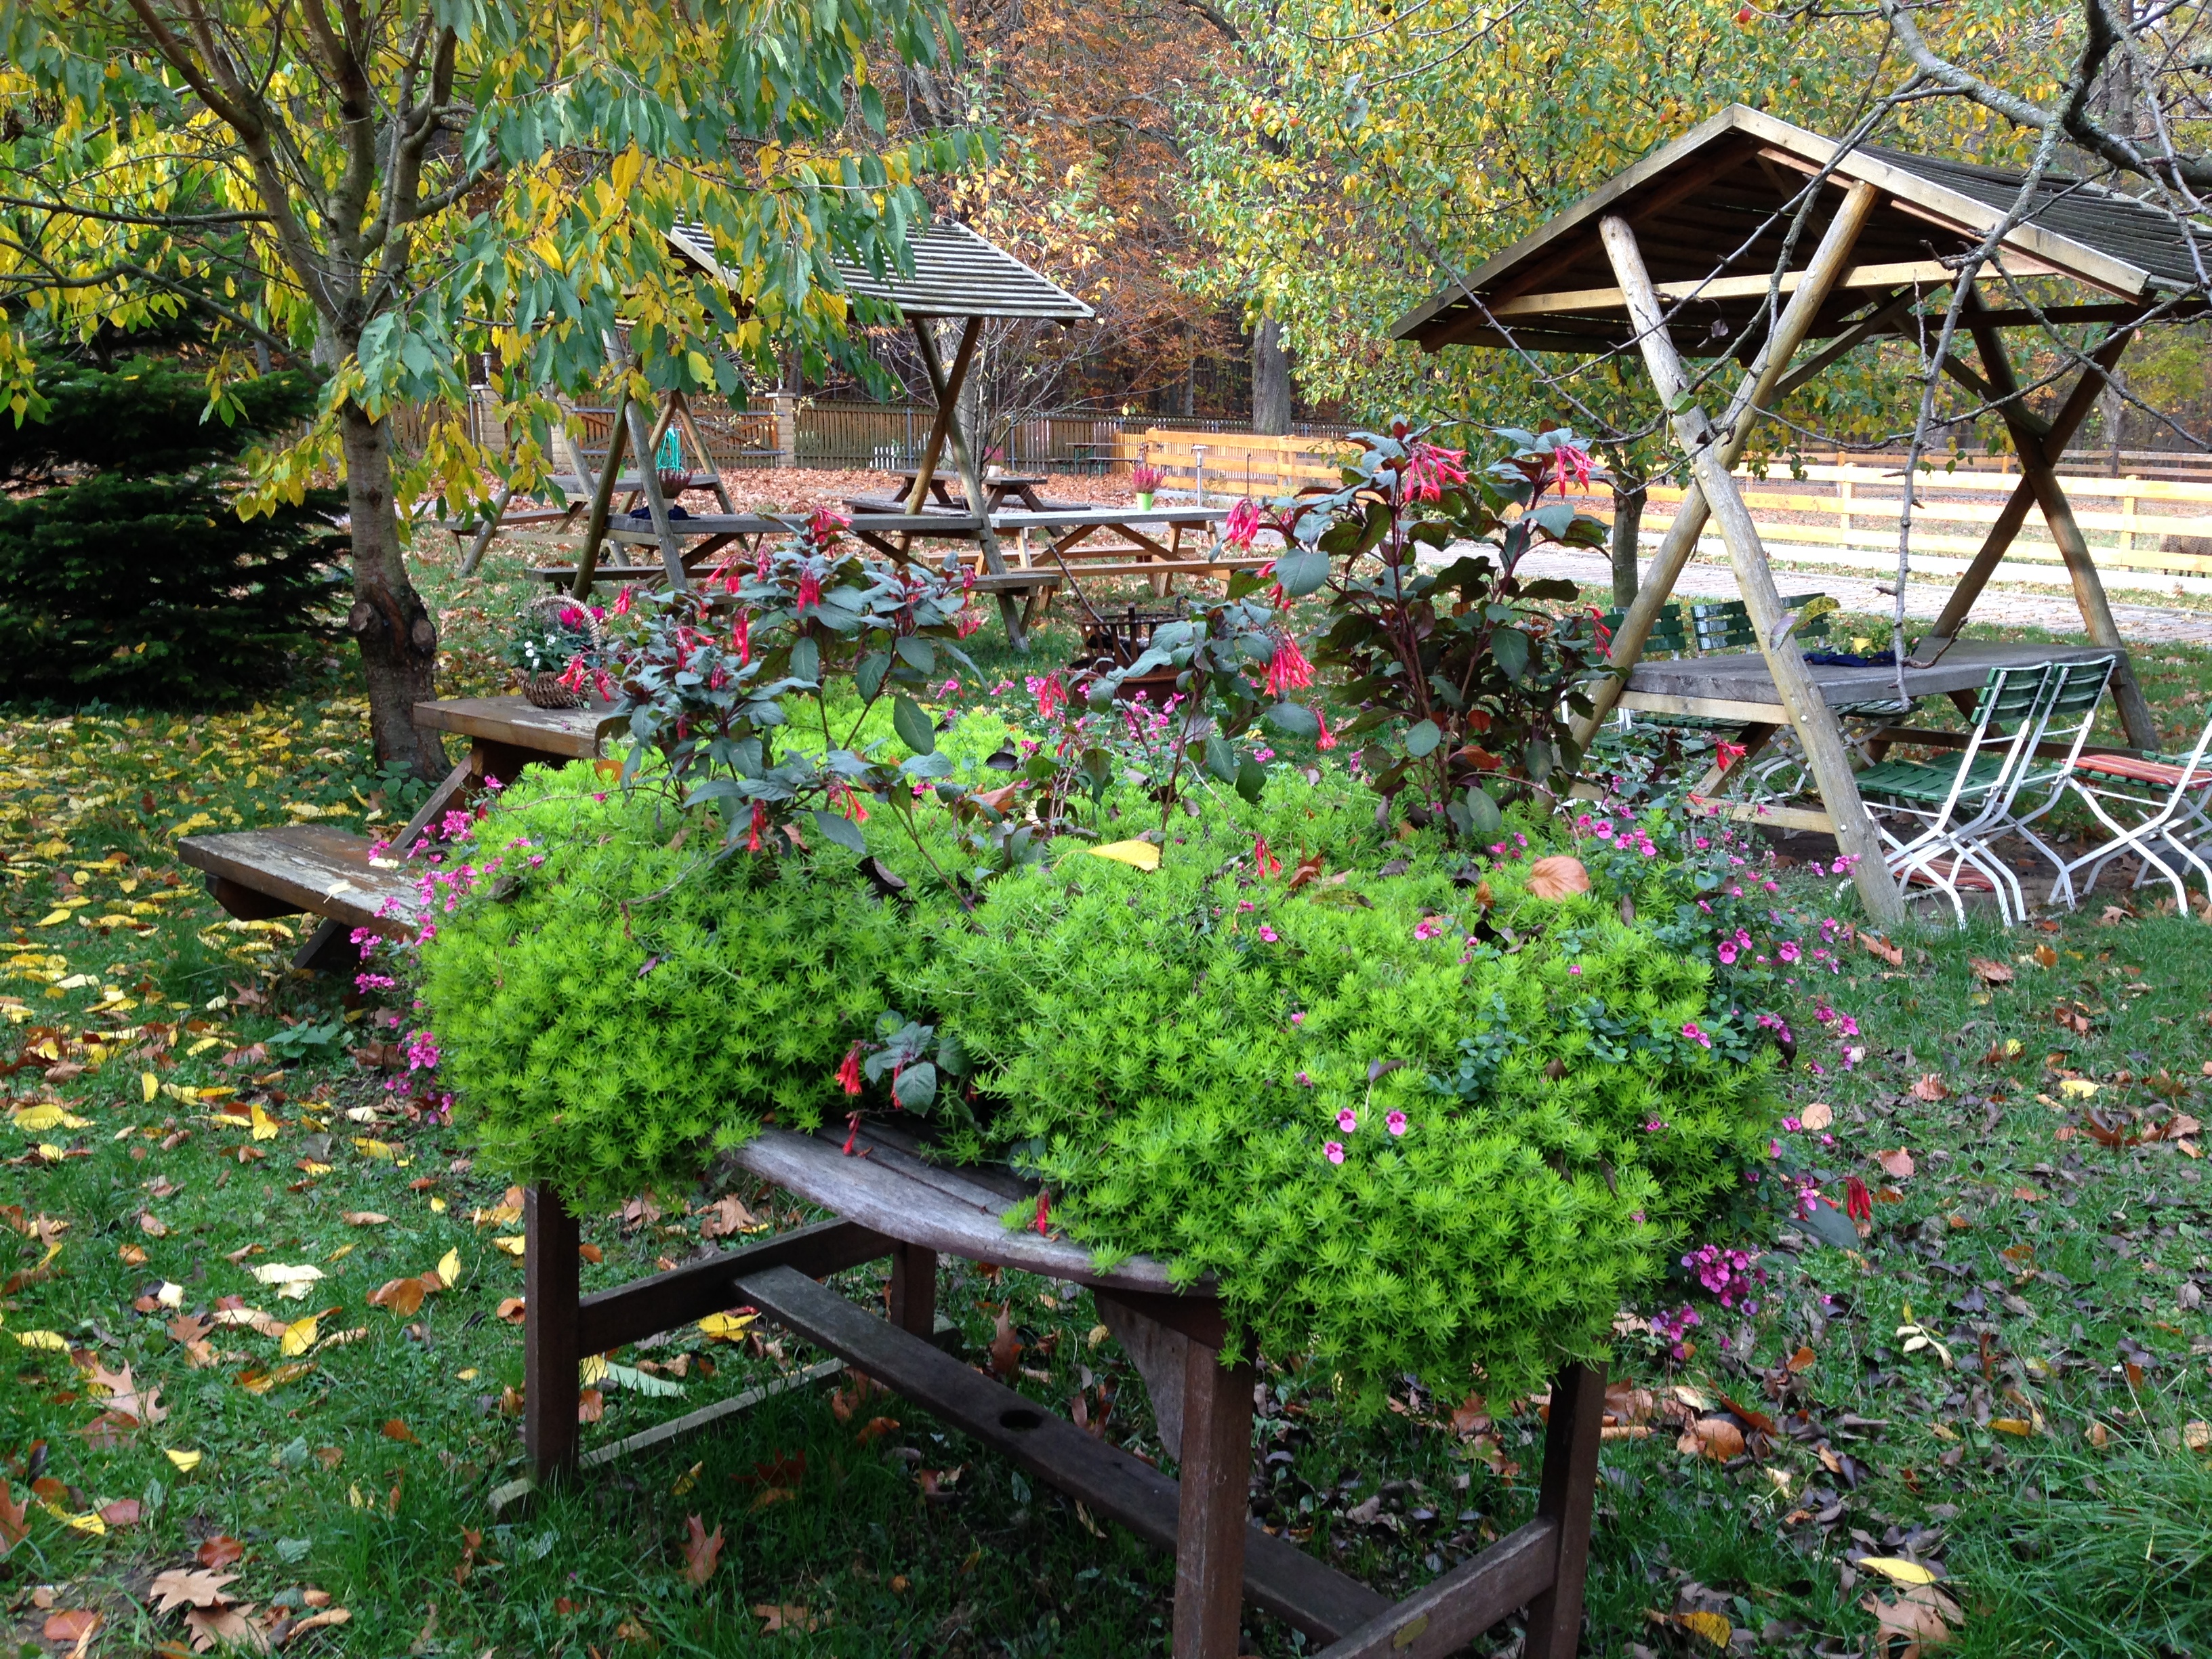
(1714, 209)
(956, 273)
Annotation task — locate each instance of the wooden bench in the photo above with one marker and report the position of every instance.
(891, 1201)
(316, 870)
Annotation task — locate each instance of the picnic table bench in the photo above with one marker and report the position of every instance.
(892, 1201)
(314, 869)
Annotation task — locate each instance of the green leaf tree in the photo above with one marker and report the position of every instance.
(393, 189)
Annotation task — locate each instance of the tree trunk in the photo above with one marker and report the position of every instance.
(1271, 380)
(399, 641)
(1628, 498)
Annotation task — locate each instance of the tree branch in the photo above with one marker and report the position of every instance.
(157, 220)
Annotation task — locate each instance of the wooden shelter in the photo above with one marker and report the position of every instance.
(1677, 256)
(956, 277)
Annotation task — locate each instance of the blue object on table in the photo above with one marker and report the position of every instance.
(674, 512)
(670, 459)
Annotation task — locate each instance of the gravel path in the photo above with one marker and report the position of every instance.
(2148, 624)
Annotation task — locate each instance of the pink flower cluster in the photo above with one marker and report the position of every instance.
(1673, 1327)
(1727, 1272)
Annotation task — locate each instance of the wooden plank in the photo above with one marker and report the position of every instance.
(913, 1300)
(1278, 1576)
(1781, 817)
(607, 1319)
(551, 1272)
(603, 493)
(1566, 1497)
(871, 1193)
(568, 733)
(1929, 272)
(1454, 1609)
(1213, 1517)
(311, 867)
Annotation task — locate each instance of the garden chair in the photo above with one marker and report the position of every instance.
(1952, 810)
(2166, 798)
(2070, 709)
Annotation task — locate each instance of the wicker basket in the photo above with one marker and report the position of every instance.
(545, 690)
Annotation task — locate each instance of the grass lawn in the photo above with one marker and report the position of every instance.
(2007, 1383)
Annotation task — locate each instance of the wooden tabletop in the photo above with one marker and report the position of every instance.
(956, 1211)
(1743, 678)
(1069, 518)
(572, 733)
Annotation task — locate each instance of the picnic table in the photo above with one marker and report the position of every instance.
(1022, 486)
(314, 869)
(1740, 689)
(891, 1199)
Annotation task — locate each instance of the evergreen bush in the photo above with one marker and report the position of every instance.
(139, 581)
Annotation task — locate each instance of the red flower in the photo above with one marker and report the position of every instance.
(1328, 737)
(622, 602)
(760, 821)
(1572, 461)
(1288, 669)
(823, 526)
(1429, 467)
(810, 587)
(1728, 753)
(1265, 861)
(741, 638)
(1243, 523)
(1051, 695)
(1045, 1213)
(849, 1074)
(852, 1132)
(1858, 1203)
(847, 800)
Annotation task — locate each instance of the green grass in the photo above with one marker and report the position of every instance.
(2053, 1544)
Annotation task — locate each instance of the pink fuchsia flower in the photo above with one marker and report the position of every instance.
(810, 587)
(1304, 1082)
(1427, 928)
(1395, 1123)
(1575, 967)
(741, 638)
(825, 527)
(1570, 465)
(1327, 740)
(1333, 1151)
(1690, 1030)
(1727, 754)
(1298, 1018)
(1244, 522)
(1263, 860)
(1429, 467)
(1347, 1120)
(1051, 696)
(622, 602)
(1288, 669)
(849, 1074)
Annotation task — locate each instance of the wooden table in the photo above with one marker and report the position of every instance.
(1022, 486)
(1740, 689)
(890, 1201)
(1068, 534)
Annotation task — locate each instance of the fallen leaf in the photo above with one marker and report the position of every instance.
(185, 1587)
(1710, 1626)
(131, 1255)
(725, 1218)
(1557, 877)
(875, 1428)
(2045, 957)
(1801, 1361)
(73, 1625)
(513, 1245)
(363, 1218)
(591, 1406)
(1006, 1346)
(1817, 1115)
(395, 1429)
(702, 1550)
(186, 1462)
(401, 1296)
(225, 1627)
(299, 1337)
(292, 1282)
(14, 1519)
(1897, 1569)
(219, 1552)
(727, 1327)
(1897, 1162)
(1711, 1436)
(510, 1309)
(1990, 973)
(1918, 1616)
(790, 1617)
(1138, 855)
(1931, 1087)
(2019, 1425)
(122, 1512)
(1877, 945)
(2197, 1435)
(449, 1269)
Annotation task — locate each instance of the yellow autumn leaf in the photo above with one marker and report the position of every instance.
(513, 1243)
(299, 1337)
(2019, 1425)
(1897, 1569)
(149, 1086)
(449, 1269)
(2077, 1088)
(233, 1120)
(264, 1127)
(437, 1206)
(368, 1148)
(51, 1339)
(315, 1169)
(185, 1461)
(31, 1119)
(53, 917)
(728, 1326)
(1712, 1626)
(1138, 855)
(592, 1370)
(90, 1521)
(202, 1046)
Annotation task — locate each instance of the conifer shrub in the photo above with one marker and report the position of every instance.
(130, 575)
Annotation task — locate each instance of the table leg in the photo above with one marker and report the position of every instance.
(1568, 1495)
(913, 1290)
(1214, 1506)
(551, 1287)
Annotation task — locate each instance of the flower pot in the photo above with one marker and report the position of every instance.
(1144, 501)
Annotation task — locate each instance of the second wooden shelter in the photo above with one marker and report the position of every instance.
(1678, 256)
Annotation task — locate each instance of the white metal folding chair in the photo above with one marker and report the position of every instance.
(2070, 709)
(2148, 804)
(1952, 808)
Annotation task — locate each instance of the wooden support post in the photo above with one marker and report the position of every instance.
(925, 464)
(672, 557)
(1214, 1505)
(1567, 1498)
(2030, 440)
(1815, 722)
(2013, 514)
(1757, 390)
(603, 495)
(486, 531)
(683, 406)
(947, 388)
(913, 1290)
(551, 1286)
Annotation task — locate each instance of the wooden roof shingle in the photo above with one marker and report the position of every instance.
(956, 273)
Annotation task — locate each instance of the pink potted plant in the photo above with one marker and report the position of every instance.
(1147, 479)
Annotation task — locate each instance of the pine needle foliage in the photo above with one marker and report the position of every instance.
(1413, 1122)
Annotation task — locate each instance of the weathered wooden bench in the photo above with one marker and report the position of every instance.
(314, 869)
(891, 1201)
